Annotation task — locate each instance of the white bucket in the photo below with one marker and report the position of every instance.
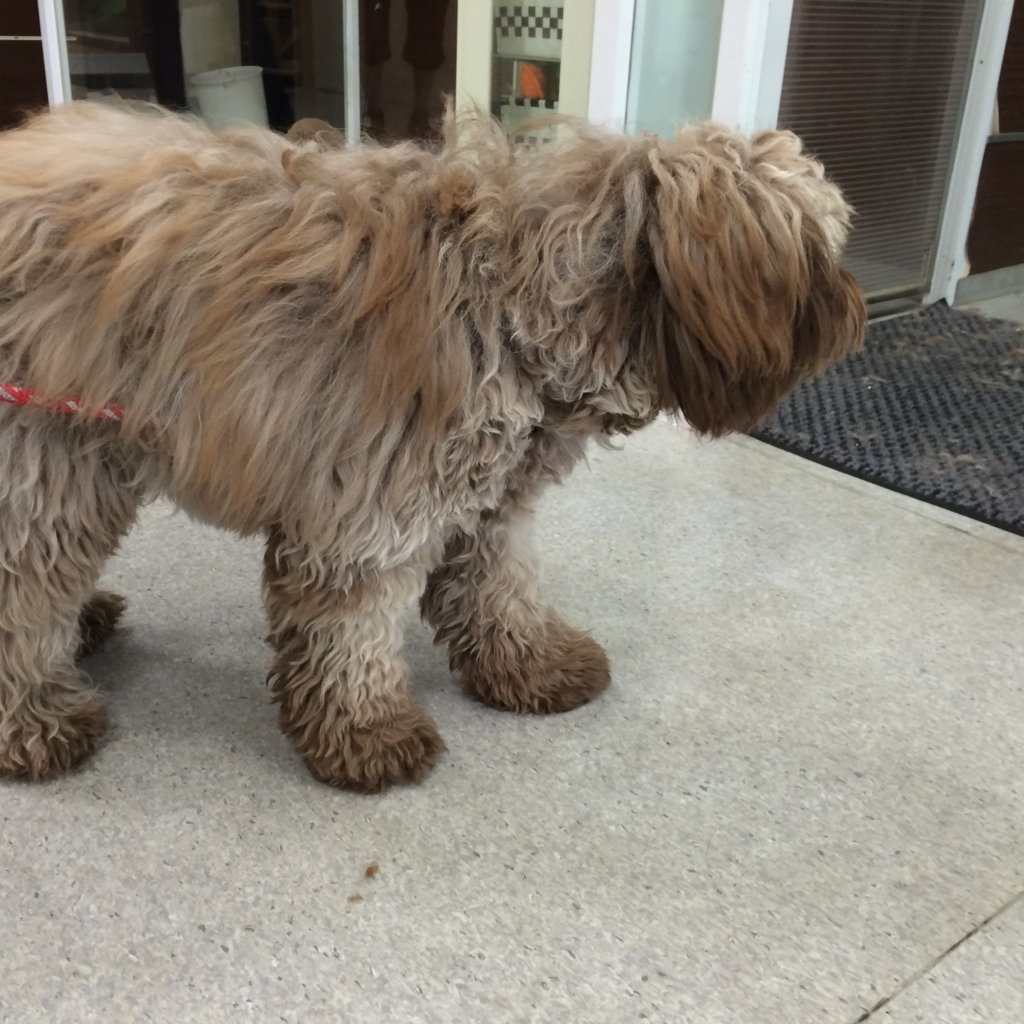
(230, 97)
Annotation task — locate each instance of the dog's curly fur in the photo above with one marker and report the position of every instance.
(376, 358)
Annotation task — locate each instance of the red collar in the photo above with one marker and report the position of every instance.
(26, 396)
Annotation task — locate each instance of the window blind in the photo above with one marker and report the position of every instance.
(876, 88)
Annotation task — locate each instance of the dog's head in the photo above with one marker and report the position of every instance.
(746, 296)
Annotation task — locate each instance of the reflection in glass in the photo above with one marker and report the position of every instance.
(270, 62)
(526, 66)
(405, 99)
(131, 48)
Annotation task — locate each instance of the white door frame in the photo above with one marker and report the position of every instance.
(773, 64)
(951, 251)
(741, 53)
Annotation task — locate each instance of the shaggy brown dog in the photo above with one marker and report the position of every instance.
(376, 358)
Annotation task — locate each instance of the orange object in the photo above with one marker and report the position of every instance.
(532, 82)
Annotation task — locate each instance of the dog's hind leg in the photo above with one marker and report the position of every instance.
(512, 650)
(97, 620)
(66, 499)
(338, 674)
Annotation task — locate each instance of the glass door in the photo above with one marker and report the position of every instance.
(878, 98)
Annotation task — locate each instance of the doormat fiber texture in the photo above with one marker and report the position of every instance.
(932, 407)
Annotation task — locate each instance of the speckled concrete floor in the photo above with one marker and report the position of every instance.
(805, 786)
(1003, 307)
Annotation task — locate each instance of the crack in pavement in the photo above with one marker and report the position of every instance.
(932, 964)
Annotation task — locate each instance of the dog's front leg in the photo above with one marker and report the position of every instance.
(338, 674)
(512, 650)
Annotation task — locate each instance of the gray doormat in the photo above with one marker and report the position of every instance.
(932, 407)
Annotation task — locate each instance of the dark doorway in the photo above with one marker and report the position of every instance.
(996, 238)
(22, 73)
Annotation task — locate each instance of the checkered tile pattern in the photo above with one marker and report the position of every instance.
(542, 106)
(529, 22)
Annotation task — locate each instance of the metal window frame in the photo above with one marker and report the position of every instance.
(353, 95)
(55, 52)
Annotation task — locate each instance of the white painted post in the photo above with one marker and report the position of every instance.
(741, 51)
(473, 55)
(609, 63)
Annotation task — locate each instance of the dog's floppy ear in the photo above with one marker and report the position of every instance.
(832, 316)
(749, 297)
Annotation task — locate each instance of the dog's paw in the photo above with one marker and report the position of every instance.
(565, 669)
(97, 621)
(51, 733)
(369, 758)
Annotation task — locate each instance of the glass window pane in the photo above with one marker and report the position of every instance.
(673, 65)
(269, 62)
(407, 65)
(113, 49)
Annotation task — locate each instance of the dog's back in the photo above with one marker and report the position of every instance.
(210, 284)
(120, 229)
